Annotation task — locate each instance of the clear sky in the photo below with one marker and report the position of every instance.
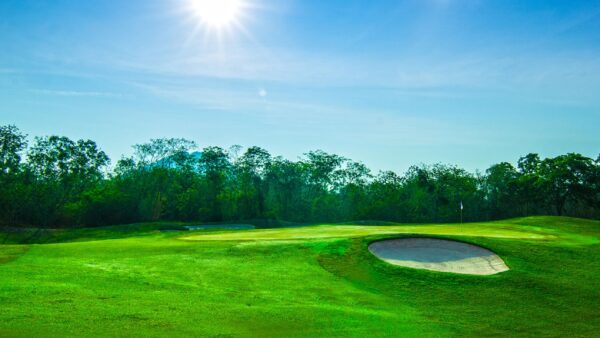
(389, 83)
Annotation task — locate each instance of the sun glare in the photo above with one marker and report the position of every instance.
(217, 13)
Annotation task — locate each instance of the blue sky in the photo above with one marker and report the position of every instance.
(389, 83)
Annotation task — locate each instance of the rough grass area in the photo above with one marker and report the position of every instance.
(285, 282)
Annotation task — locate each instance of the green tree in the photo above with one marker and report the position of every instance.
(251, 170)
(216, 169)
(325, 179)
(501, 190)
(384, 198)
(165, 152)
(12, 144)
(286, 197)
(65, 183)
(15, 190)
(352, 193)
(567, 178)
(63, 169)
(531, 196)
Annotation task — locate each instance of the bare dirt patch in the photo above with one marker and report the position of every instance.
(9, 253)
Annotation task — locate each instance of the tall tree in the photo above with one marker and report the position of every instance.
(215, 166)
(166, 152)
(12, 144)
(501, 190)
(63, 169)
(567, 178)
(64, 183)
(251, 170)
(14, 192)
(530, 193)
(287, 190)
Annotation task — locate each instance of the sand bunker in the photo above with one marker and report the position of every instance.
(438, 255)
(220, 227)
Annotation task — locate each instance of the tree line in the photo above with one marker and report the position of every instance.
(59, 182)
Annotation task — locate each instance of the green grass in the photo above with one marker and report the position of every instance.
(312, 281)
(350, 231)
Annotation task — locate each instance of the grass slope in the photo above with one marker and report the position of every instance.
(313, 281)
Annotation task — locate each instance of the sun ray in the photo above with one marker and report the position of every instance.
(217, 14)
(217, 21)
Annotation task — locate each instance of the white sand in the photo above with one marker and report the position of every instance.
(438, 255)
(220, 227)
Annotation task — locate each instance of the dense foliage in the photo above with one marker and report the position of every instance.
(61, 182)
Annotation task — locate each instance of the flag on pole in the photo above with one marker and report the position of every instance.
(461, 206)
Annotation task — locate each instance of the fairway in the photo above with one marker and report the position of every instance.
(310, 281)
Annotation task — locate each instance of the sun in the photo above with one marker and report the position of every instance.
(217, 13)
(218, 21)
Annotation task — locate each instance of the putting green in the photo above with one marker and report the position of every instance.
(349, 231)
